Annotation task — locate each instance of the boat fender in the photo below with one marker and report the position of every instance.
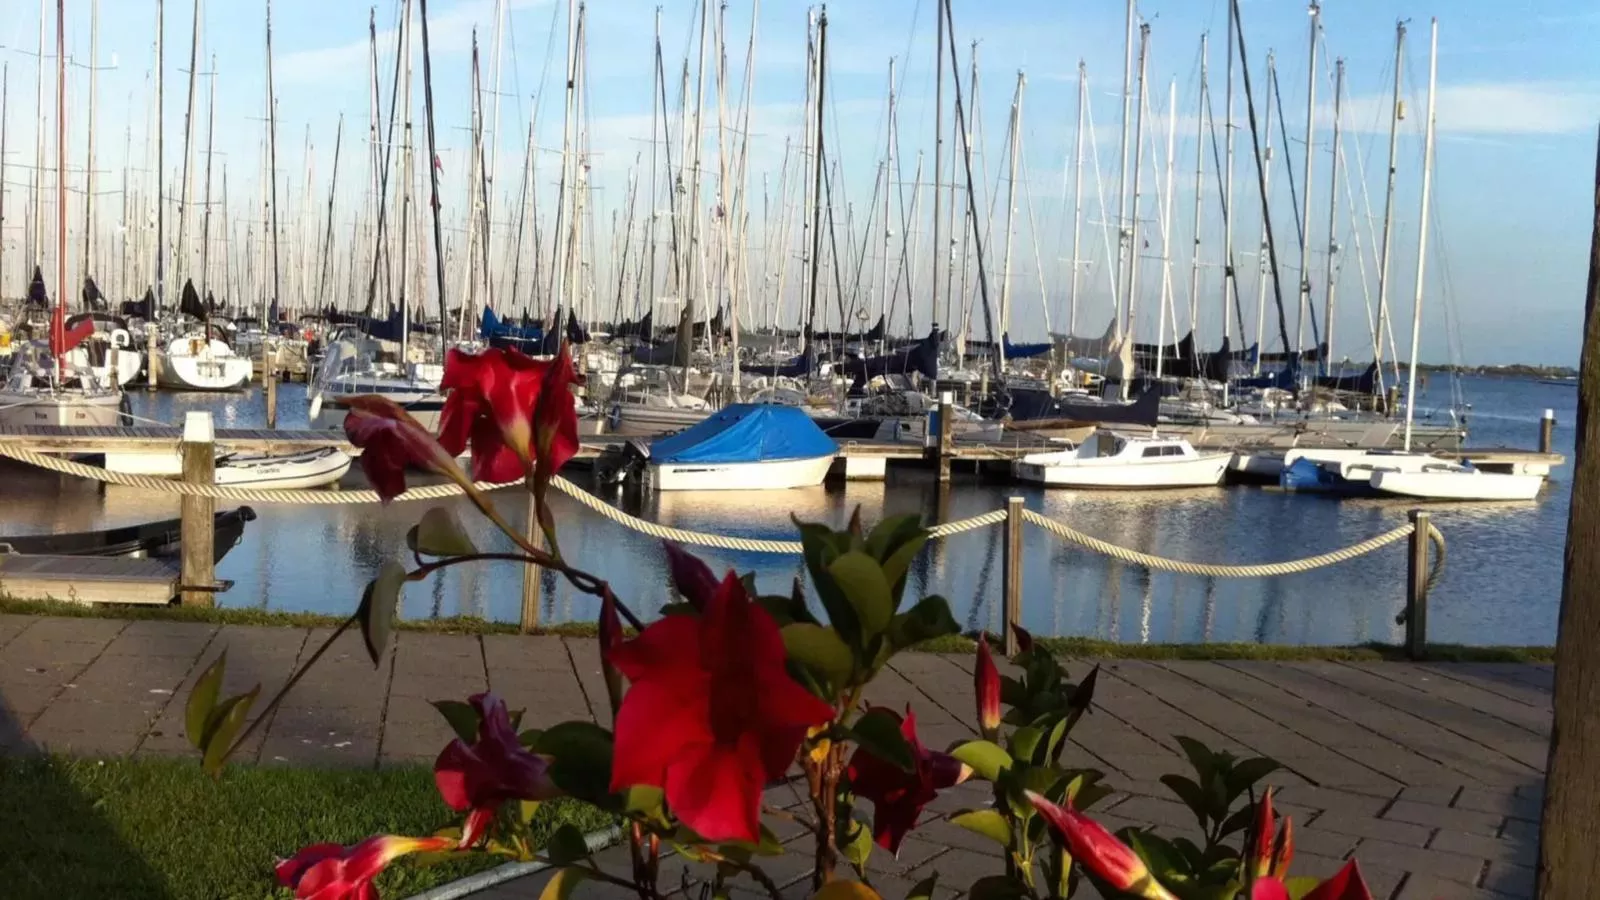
(316, 405)
(121, 339)
(246, 514)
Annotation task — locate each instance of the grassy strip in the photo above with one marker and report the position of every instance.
(1085, 648)
(159, 828)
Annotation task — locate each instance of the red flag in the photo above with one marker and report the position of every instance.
(438, 163)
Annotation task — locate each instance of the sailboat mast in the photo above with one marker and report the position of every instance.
(160, 199)
(1077, 199)
(433, 171)
(5, 109)
(1333, 210)
(1011, 212)
(888, 231)
(1230, 277)
(181, 258)
(1263, 257)
(1199, 185)
(36, 244)
(938, 163)
(327, 241)
(817, 196)
(1422, 231)
(1304, 306)
(88, 171)
(1132, 281)
(58, 343)
(1124, 239)
(272, 163)
(205, 213)
(1388, 200)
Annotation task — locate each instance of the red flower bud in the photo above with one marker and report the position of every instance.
(1024, 639)
(1266, 827)
(898, 796)
(335, 872)
(391, 441)
(492, 770)
(1100, 852)
(691, 578)
(555, 415)
(986, 681)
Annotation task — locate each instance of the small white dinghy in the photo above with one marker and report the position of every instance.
(1111, 460)
(266, 471)
(1450, 481)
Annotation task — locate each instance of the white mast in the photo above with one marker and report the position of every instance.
(1395, 113)
(1077, 199)
(205, 212)
(1333, 210)
(1165, 303)
(181, 258)
(1199, 188)
(1011, 209)
(37, 242)
(1124, 238)
(1138, 179)
(1263, 263)
(1422, 230)
(88, 172)
(888, 229)
(1230, 278)
(938, 155)
(1304, 305)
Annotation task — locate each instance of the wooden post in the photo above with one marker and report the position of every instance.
(946, 415)
(530, 573)
(1417, 588)
(198, 569)
(1547, 430)
(269, 385)
(150, 341)
(1568, 866)
(1011, 586)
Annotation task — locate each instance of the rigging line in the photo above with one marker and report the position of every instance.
(1219, 170)
(1100, 196)
(1300, 228)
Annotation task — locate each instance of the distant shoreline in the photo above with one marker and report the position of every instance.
(1518, 370)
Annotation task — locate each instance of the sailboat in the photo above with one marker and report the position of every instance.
(42, 388)
(199, 357)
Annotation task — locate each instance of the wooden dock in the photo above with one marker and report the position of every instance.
(89, 579)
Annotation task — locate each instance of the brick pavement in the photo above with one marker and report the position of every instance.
(1430, 774)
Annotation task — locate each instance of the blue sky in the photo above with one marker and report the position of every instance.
(1519, 102)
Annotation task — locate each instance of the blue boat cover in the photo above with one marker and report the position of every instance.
(746, 432)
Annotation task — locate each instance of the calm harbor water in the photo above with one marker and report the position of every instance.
(1501, 584)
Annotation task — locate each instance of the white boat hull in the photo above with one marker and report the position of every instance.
(1200, 471)
(122, 364)
(635, 420)
(284, 471)
(1458, 484)
(209, 370)
(61, 410)
(742, 476)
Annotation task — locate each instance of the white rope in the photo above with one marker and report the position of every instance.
(1258, 570)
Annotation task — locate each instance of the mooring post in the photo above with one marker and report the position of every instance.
(530, 573)
(197, 574)
(1011, 587)
(150, 355)
(269, 385)
(946, 410)
(1417, 587)
(1547, 430)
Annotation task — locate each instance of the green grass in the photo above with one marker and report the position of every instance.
(159, 828)
(1084, 648)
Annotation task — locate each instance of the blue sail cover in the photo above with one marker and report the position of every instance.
(746, 432)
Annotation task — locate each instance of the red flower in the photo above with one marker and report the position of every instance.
(1346, 884)
(691, 578)
(1271, 858)
(1100, 852)
(491, 403)
(986, 682)
(335, 872)
(390, 441)
(492, 770)
(712, 715)
(898, 796)
(555, 416)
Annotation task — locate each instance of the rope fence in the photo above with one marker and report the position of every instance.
(1424, 569)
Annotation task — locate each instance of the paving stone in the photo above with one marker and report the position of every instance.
(1490, 848)
(100, 742)
(1444, 817)
(959, 868)
(1429, 887)
(148, 639)
(1511, 879)
(1506, 802)
(75, 629)
(1369, 827)
(1333, 800)
(1403, 857)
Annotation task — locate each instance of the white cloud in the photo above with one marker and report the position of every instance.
(1491, 108)
(449, 32)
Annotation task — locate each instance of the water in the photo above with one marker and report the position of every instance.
(1501, 584)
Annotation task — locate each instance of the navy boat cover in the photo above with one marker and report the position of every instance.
(746, 432)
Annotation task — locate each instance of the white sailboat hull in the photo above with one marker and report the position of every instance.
(741, 476)
(1457, 484)
(60, 410)
(191, 364)
(1200, 471)
(637, 420)
(122, 364)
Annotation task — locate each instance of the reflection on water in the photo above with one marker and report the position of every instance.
(1501, 584)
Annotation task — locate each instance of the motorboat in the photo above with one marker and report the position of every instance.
(1443, 480)
(150, 539)
(358, 365)
(1112, 460)
(268, 471)
(744, 446)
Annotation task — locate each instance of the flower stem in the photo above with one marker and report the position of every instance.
(266, 711)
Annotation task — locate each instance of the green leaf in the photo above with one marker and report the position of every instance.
(462, 717)
(1025, 741)
(1300, 885)
(203, 700)
(1191, 795)
(1249, 771)
(380, 603)
(861, 579)
(223, 726)
(566, 845)
(1166, 863)
(820, 547)
(819, 647)
(878, 732)
(562, 884)
(985, 758)
(1241, 819)
(1200, 756)
(529, 738)
(580, 755)
(997, 887)
(987, 822)
(855, 843)
(930, 618)
(439, 533)
(923, 890)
